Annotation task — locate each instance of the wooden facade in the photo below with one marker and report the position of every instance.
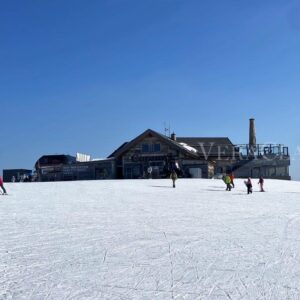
(198, 157)
(162, 155)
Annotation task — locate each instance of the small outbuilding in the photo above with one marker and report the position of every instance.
(66, 167)
(10, 175)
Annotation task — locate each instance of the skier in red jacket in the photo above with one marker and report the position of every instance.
(232, 179)
(2, 186)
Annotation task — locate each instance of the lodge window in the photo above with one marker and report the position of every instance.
(156, 147)
(150, 148)
(219, 170)
(145, 148)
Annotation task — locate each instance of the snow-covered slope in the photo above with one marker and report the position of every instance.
(143, 239)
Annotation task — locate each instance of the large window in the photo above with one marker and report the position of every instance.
(156, 148)
(150, 148)
(281, 171)
(145, 148)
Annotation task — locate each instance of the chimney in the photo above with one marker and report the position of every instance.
(252, 133)
(173, 136)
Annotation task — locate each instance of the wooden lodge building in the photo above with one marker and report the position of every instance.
(191, 157)
(163, 154)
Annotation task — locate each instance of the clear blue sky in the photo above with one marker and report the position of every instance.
(88, 75)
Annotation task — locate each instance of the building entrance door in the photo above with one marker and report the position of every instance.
(133, 171)
(195, 172)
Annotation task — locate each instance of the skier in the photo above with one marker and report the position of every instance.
(174, 177)
(2, 186)
(248, 184)
(228, 182)
(149, 171)
(223, 178)
(261, 183)
(232, 179)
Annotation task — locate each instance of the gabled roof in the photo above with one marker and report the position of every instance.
(149, 132)
(118, 149)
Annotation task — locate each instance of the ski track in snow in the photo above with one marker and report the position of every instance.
(141, 239)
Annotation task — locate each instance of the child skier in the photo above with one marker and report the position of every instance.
(261, 183)
(249, 185)
(228, 183)
(174, 177)
(2, 186)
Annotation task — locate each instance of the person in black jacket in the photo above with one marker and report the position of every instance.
(174, 177)
(261, 183)
(249, 185)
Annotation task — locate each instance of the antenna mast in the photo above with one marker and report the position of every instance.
(167, 130)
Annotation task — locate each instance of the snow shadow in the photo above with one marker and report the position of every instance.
(241, 194)
(214, 190)
(217, 187)
(224, 191)
(292, 192)
(162, 186)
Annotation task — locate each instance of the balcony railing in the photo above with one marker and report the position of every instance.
(262, 150)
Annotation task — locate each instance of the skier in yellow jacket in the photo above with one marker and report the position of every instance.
(228, 182)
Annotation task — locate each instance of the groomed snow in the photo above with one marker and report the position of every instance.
(141, 239)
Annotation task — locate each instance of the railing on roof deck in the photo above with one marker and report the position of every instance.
(260, 150)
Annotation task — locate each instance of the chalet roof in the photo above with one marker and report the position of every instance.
(117, 150)
(149, 132)
(192, 141)
(195, 147)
